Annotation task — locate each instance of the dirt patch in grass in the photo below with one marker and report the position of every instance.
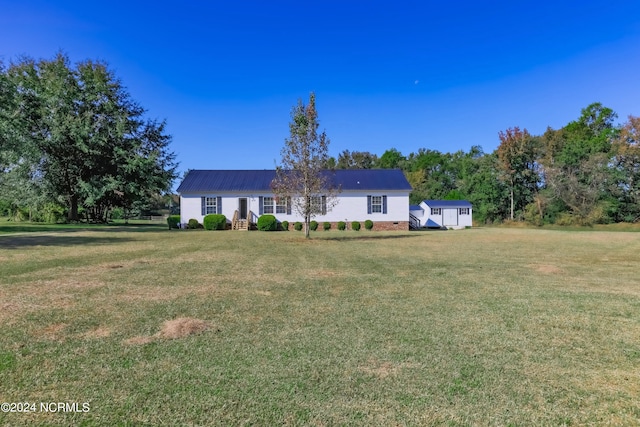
(173, 329)
(182, 327)
(383, 370)
(51, 332)
(546, 268)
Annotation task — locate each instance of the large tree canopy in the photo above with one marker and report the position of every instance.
(76, 133)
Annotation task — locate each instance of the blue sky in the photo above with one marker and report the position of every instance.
(401, 74)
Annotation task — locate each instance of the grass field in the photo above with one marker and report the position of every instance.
(488, 326)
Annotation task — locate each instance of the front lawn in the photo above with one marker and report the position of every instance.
(491, 326)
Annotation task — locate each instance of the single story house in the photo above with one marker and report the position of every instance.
(442, 213)
(381, 195)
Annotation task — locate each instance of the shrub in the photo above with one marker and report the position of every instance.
(285, 225)
(193, 224)
(267, 223)
(313, 225)
(355, 225)
(326, 226)
(368, 224)
(173, 221)
(342, 225)
(214, 222)
(52, 213)
(298, 226)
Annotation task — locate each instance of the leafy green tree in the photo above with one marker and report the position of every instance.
(430, 173)
(93, 148)
(301, 175)
(626, 161)
(576, 165)
(517, 154)
(488, 194)
(390, 159)
(356, 160)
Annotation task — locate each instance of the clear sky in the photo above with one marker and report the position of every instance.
(393, 74)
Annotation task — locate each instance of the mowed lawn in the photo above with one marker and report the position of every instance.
(487, 326)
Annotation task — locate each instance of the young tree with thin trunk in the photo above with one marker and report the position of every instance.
(301, 177)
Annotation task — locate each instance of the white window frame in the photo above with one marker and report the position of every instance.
(268, 205)
(210, 205)
(281, 205)
(376, 204)
(463, 211)
(436, 211)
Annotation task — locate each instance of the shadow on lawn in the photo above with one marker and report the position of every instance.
(370, 237)
(47, 228)
(60, 239)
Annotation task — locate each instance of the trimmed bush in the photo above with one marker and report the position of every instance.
(285, 225)
(214, 222)
(298, 226)
(342, 225)
(326, 226)
(355, 225)
(313, 225)
(173, 221)
(193, 224)
(368, 224)
(267, 223)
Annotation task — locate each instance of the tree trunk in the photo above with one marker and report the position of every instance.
(72, 215)
(511, 201)
(307, 222)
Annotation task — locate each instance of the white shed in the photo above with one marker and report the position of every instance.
(443, 213)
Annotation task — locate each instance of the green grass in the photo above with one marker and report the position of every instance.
(492, 326)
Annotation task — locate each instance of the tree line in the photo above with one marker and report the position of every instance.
(583, 173)
(74, 145)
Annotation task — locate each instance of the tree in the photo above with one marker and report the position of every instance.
(626, 161)
(356, 160)
(518, 164)
(93, 148)
(301, 177)
(576, 164)
(390, 159)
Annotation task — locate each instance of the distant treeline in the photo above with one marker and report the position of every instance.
(583, 173)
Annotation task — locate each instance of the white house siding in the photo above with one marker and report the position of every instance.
(352, 206)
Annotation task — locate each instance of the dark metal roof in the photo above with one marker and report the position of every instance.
(260, 180)
(447, 203)
(415, 208)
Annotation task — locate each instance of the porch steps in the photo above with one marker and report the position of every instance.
(241, 224)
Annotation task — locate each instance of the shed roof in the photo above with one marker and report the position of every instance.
(260, 180)
(447, 203)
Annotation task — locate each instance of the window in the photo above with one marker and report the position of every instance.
(275, 205)
(281, 205)
(464, 211)
(377, 204)
(319, 204)
(436, 211)
(210, 205)
(268, 205)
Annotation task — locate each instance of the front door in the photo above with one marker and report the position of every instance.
(242, 208)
